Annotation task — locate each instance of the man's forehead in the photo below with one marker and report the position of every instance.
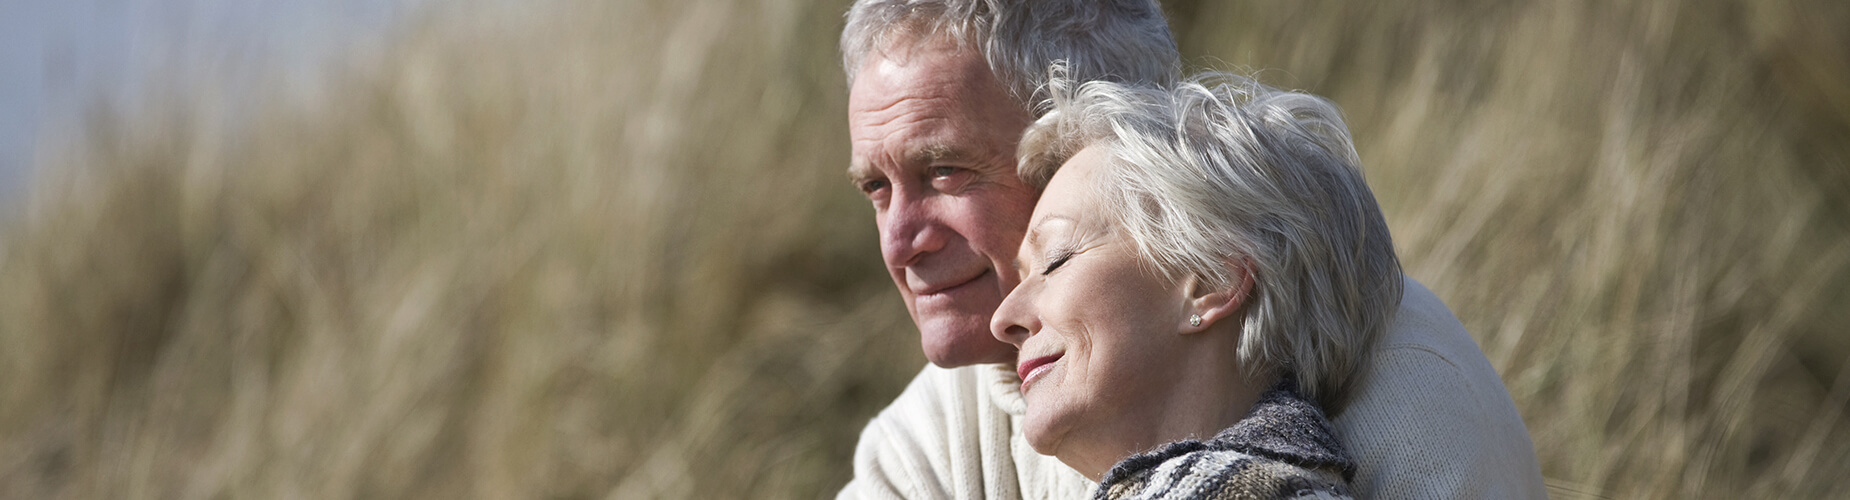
(894, 89)
(906, 50)
(910, 68)
(926, 104)
(912, 103)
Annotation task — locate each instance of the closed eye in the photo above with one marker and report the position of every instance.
(1058, 260)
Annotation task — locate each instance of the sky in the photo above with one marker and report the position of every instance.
(59, 56)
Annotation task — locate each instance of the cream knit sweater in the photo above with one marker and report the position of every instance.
(1430, 420)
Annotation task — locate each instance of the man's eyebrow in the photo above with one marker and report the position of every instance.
(928, 155)
(858, 171)
(937, 153)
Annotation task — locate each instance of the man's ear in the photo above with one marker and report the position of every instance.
(1213, 304)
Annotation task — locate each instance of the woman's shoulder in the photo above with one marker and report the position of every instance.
(1284, 449)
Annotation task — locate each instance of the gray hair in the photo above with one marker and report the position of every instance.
(1221, 170)
(1115, 40)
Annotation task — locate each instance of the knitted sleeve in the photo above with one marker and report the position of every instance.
(901, 454)
(942, 438)
(1432, 419)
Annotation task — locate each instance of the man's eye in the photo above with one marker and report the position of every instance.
(948, 179)
(869, 187)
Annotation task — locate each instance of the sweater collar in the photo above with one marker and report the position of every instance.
(1004, 388)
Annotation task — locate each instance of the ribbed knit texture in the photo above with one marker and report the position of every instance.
(1430, 420)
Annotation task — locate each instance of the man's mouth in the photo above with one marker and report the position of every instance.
(934, 290)
(1032, 369)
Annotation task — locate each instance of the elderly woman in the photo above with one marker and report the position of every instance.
(1202, 277)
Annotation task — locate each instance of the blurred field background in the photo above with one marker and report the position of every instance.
(587, 249)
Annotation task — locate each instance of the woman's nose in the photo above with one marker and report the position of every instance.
(1015, 320)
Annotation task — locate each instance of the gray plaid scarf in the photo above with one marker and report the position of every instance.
(1284, 449)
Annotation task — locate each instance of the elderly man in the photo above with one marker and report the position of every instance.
(940, 92)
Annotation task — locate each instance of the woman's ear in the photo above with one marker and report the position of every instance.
(1209, 305)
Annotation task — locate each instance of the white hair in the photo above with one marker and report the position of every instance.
(1220, 172)
(1115, 40)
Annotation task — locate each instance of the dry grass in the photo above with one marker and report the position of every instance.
(605, 249)
(1638, 209)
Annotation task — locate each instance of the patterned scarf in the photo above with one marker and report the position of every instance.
(1284, 449)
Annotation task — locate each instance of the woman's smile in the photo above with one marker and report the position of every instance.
(1032, 369)
(1098, 330)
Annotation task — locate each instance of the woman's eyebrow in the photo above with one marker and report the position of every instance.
(1034, 233)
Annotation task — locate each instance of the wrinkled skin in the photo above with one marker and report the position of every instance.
(1110, 362)
(934, 136)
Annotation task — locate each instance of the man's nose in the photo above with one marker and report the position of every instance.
(1015, 320)
(912, 229)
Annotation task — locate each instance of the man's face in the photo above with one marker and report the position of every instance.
(934, 139)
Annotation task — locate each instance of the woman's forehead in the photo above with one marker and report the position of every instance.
(1071, 198)
(1081, 169)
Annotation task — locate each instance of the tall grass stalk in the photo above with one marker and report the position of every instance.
(587, 249)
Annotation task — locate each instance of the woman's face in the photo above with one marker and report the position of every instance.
(1097, 328)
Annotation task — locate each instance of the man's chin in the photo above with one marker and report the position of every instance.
(955, 347)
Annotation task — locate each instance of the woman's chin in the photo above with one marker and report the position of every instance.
(1037, 434)
(1048, 435)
